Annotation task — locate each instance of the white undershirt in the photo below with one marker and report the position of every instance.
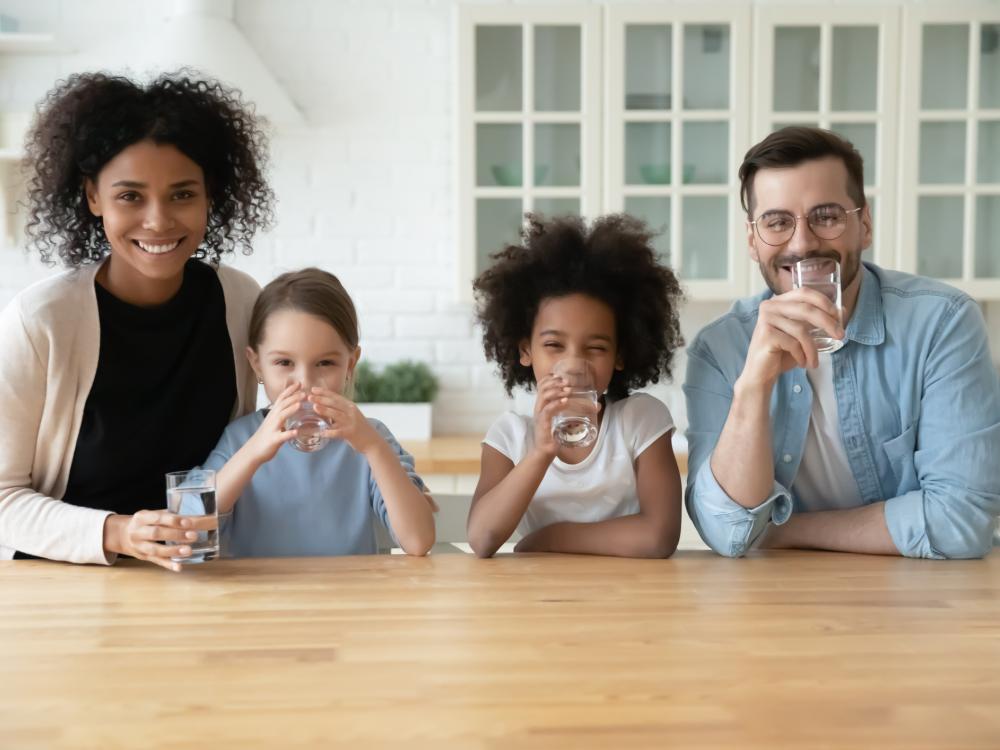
(825, 480)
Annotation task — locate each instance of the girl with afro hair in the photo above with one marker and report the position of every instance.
(130, 363)
(599, 294)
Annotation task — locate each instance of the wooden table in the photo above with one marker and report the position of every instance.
(781, 650)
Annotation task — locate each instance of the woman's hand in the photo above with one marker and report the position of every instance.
(140, 536)
(346, 420)
(271, 434)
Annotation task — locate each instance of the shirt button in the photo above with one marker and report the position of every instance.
(787, 458)
(797, 388)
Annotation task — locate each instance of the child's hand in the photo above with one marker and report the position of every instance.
(348, 423)
(551, 398)
(271, 435)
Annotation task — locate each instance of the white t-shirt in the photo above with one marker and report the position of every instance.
(825, 480)
(600, 487)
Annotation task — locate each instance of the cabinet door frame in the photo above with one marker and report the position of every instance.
(885, 117)
(737, 17)
(973, 14)
(467, 19)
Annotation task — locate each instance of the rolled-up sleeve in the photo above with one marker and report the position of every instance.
(956, 451)
(724, 525)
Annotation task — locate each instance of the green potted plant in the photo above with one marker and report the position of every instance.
(400, 396)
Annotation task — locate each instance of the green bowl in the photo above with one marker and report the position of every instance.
(510, 175)
(655, 174)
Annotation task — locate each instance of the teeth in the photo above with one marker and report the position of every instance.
(157, 249)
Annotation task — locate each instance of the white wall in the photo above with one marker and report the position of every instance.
(365, 190)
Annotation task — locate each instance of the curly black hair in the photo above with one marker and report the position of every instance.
(612, 261)
(87, 119)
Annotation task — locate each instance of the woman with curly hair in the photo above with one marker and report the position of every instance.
(129, 364)
(599, 295)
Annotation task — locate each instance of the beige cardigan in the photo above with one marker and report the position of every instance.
(49, 345)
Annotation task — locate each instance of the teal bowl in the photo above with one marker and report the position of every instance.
(655, 174)
(510, 175)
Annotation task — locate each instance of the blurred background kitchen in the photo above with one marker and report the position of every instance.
(409, 136)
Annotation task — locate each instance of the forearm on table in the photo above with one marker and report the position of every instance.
(862, 530)
(636, 535)
(743, 462)
(408, 509)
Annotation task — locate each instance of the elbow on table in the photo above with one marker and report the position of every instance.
(484, 543)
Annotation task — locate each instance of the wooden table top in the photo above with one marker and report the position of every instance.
(781, 650)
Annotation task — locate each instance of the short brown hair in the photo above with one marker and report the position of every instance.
(312, 291)
(793, 145)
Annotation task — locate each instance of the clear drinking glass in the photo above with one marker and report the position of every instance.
(823, 275)
(575, 425)
(308, 425)
(192, 493)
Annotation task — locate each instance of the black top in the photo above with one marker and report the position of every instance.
(163, 393)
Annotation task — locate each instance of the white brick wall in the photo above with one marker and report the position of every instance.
(365, 189)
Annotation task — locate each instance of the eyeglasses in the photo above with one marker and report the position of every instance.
(826, 222)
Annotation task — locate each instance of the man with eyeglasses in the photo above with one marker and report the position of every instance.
(890, 445)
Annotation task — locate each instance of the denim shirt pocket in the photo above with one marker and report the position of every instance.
(900, 452)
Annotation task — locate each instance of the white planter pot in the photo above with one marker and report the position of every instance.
(405, 421)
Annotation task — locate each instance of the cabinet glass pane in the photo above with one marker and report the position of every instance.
(780, 125)
(796, 68)
(498, 68)
(942, 153)
(557, 206)
(862, 135)
(648, 65)
(989, 66)
(706, 153)
(557, 154)
(940, 236)
(945, 66)
(647, 153)
(557, 68)
(705, 237)
(655, 211)
(854, 81)
(988, 163)
(706, 67)
(498, 155)
(498, 223)
(988, 236)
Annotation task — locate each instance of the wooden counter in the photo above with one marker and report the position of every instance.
(781, 650)
(460, 454)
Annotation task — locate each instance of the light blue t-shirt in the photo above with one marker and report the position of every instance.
(918, 403)
(304, 504)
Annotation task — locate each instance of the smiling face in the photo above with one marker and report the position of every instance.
(297, 346)
(798, 190)
(154, 205)
(576, 325)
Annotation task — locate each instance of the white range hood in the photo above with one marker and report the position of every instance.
(203, 35)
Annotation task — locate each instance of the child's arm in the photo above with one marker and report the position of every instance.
(652, 532)
(505, 490)
(410, 513)
(258, 450)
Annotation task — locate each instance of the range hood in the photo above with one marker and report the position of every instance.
(203, 35)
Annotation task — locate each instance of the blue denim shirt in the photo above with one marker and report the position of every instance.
(918, 400)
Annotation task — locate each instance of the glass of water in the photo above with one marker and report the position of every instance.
(575, 426)
(308, 425)
(192, 493)
(823, 275)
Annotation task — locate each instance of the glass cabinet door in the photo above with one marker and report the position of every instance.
(528, 123)
(836, 70)
(951, 173)
(677, 104)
